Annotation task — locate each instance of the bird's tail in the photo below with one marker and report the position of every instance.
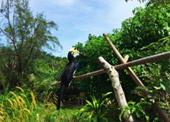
(60, 96)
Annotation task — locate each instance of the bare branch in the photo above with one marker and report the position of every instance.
(6, 34)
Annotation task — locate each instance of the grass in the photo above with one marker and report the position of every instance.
(47, 113)
(16, 107)
(19, 106)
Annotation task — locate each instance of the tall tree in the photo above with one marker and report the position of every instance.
(25, 33)
(157, 2)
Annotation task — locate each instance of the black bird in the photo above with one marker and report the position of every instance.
(67, 74)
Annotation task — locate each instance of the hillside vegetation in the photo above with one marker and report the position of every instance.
(26, 71)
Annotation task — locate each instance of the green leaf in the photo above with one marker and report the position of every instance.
(157, 88)
(162, 86)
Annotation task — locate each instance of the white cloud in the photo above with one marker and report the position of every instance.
(78, 18)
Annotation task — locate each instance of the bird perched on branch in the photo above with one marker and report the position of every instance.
(67, 74)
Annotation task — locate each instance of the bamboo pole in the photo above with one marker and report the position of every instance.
(137, 80)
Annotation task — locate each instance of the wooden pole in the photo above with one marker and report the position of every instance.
(145, 60)
(98, 72)
(137, 80)
(148, 59)
(132, 74)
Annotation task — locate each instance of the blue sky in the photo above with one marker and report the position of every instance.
(76, 19)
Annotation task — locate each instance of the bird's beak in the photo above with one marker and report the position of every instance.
(74, 50)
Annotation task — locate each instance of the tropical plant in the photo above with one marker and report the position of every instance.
(96, 109)
(145, 34)
(135, 109)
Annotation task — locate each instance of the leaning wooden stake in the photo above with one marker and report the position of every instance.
(132, 74)
(137, 80)
(118, 91)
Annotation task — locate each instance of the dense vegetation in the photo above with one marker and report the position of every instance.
(145, 34)
(23, 63)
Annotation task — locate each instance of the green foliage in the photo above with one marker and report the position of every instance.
(45, 70)
(94, 47)
(26, 35)
(23, 60)
(157, 75)
(21, 106)
(2, 78)
(15, 106)
(157, 2)
(46, 112)
(135, 109)
(145, 34)
(96, 109)
(147, 27)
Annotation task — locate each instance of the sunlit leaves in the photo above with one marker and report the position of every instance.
(135, 109)
(26, 34)
(96, 109)
(145, 34)
(16, 106)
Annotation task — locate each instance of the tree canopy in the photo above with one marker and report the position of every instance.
(24, 63)
(25, 34)
(145, 34)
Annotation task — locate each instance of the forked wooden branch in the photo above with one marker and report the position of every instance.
(117, 88)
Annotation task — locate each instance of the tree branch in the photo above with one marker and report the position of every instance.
(31, 48)
(117, 88)
(13, 40)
